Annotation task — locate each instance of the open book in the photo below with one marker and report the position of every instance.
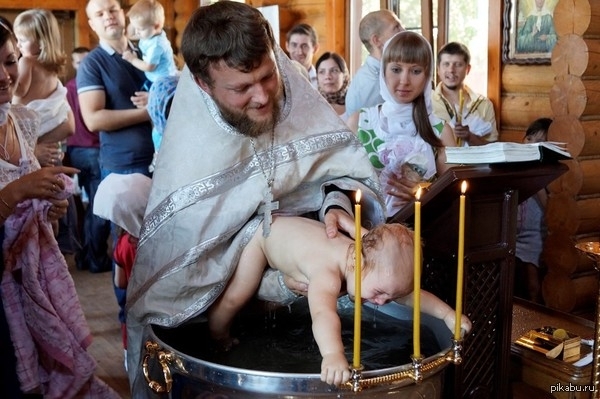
(499, 152)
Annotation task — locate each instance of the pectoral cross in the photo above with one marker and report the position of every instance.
(266, 208)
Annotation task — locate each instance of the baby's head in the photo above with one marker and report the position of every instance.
(147, 18)
(537, 131)
(387, 264)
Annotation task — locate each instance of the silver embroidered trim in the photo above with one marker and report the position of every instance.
(188, 258)
(243, 170)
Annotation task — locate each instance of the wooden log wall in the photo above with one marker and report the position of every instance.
(326, 16)
(568, 90)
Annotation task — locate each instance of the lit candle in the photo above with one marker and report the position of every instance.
(417, 279)
(357, 280)
(461, 255)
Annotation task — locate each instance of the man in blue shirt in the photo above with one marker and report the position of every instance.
(108, 95)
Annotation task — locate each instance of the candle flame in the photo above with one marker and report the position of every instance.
(418, 194)
(357, 196)
(463, 187)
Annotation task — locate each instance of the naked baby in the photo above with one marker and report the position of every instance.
(327, 266)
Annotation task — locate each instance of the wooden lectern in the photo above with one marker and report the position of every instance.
(492, 196)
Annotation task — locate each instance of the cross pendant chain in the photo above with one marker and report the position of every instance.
(268, 205)
(266, 208)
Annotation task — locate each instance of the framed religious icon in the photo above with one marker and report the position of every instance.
(529, 34)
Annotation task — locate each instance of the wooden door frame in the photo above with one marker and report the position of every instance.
(494, 91)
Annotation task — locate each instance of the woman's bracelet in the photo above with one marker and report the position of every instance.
(10, 208)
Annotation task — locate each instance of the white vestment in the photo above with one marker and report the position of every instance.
(208, 186)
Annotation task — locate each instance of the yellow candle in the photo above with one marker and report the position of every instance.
(461, 255)
(357, 281)
(417, 279)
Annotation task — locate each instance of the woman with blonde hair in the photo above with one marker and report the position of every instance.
(39, 87)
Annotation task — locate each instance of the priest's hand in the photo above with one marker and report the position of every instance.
(337, 220)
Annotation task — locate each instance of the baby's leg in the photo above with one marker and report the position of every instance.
(241, 288)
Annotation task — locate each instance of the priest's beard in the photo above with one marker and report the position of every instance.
(240, 120)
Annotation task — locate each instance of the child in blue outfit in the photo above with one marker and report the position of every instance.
(160, 98)
(147, 18)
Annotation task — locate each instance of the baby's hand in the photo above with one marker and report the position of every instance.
(335, 369)
(465, 323)
(129, 55)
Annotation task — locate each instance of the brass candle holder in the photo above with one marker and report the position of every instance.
(592, 250)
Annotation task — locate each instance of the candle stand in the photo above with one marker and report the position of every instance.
(592, 250)
(455, 353)
(420, 369)
(417, 362)
(355, 379)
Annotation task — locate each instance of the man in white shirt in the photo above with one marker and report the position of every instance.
(302, 44)
(374, 30)
(474, 123)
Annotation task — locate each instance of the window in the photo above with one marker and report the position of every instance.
(463, 20)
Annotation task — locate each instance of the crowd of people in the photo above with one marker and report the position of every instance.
(209, 183)
(44, 335)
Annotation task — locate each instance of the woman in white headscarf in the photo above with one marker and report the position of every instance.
(403, 138)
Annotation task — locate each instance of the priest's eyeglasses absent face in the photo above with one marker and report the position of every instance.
(332, 71)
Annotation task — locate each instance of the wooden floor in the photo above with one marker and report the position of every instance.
(100, 306)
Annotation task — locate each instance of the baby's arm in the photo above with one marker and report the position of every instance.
(323, 292)
(25, 77)
(133, 59)
(434, 306)
(241, 288)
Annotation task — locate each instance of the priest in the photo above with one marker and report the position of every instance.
(247, 137)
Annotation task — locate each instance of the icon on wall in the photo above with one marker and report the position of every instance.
(529, 33)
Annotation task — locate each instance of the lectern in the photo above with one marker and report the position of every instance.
(493, 194)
